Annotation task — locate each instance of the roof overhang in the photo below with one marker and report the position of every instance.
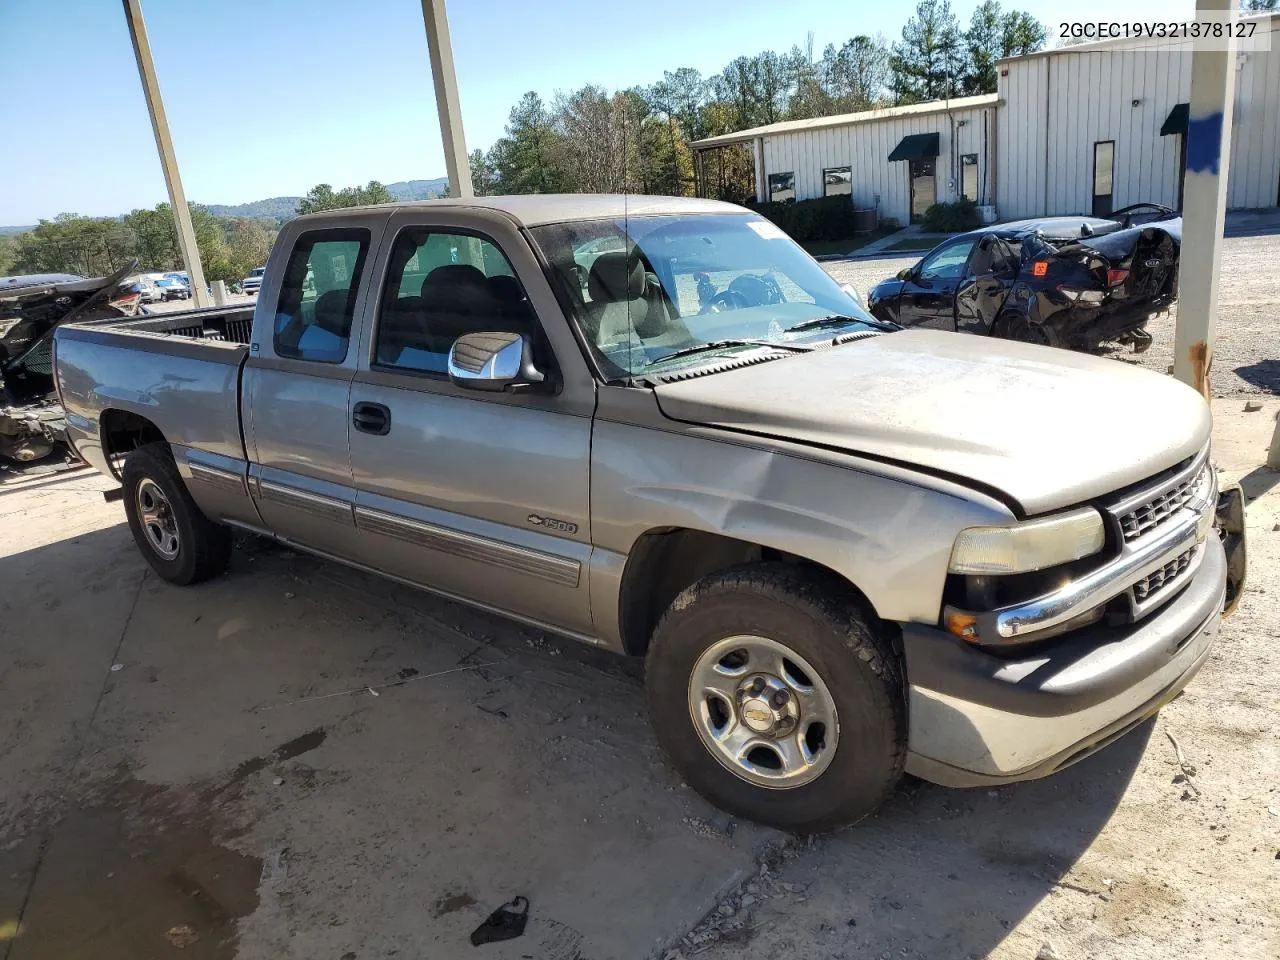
(916, 146)
(1176, 121)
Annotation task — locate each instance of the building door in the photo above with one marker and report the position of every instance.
(1104, 161)
(924, 185)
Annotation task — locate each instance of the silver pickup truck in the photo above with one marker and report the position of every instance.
(656, 425)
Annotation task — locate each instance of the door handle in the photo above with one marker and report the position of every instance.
(371, 418)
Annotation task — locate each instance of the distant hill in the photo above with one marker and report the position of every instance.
(285, 208)
(418, 189)
(277, 208)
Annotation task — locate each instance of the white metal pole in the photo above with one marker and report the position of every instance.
(168, 162)
(456, 163)
(1213, 84)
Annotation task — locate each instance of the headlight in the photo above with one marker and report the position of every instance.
(1033, 545)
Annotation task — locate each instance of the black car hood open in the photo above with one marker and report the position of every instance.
(32, 306)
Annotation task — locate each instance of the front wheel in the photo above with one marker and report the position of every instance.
(177, 539)
(777, 698)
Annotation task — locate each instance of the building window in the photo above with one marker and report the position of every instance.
(969, 176)
(782, 186)
(1104, 160)
(837, 181)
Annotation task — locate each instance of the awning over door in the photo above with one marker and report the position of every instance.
(1176, 121)
(916, 147)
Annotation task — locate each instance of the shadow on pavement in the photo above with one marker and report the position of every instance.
(1264, 374)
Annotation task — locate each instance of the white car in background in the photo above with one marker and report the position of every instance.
(253, 281)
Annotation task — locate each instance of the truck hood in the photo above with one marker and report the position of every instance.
(1047, 428)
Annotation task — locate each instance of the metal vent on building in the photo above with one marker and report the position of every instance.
(916, 146)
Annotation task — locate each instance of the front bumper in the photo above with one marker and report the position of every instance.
(978, 719)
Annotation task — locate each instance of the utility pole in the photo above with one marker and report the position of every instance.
(457, 164)
(1213, 84)
(164, 143)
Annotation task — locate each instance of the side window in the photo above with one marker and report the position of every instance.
(318, 295)
(947, 263)
(440, 286)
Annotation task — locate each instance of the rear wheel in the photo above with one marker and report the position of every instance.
(1014, 326)
(177, 539)
(777, 699)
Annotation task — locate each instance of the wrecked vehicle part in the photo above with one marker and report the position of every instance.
(1073, 282)
(32, 425)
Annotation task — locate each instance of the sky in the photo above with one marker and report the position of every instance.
(270, 97)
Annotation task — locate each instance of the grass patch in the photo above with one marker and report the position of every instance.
(818, 248)
(916, 244)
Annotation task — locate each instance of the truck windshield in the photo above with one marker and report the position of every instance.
(648, 292)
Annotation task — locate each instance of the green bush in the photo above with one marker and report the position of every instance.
(826, 218)
(955, 217)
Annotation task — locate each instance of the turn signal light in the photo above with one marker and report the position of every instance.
(960, 624)
(1040, 268)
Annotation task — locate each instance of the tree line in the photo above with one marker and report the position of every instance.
(96, 246)
(229, 246)
(591, 140)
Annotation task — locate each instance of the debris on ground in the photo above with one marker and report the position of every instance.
(1252, 406)
(183, 936)
(1048, 952)
(1187, 773)
(505, 923)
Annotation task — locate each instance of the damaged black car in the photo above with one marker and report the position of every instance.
(31, 307)
(1072, 282)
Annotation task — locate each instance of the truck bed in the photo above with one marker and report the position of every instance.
(227, 325)
(179, 371)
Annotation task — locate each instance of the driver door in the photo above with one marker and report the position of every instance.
(928, 296)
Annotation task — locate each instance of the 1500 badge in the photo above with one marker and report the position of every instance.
(551, 523)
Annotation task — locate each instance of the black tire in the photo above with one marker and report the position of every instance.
(1012, 326)
(820, 619)
(203, 548)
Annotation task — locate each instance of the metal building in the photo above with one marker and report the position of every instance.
(899, 160)
(1080, 129)
(1095, 127)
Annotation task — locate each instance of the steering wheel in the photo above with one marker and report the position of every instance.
(725, 300)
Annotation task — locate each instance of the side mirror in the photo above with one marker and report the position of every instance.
(906, 273)
(854, 294)
(494, 362)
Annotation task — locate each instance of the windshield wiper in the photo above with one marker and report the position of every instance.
(837, 320)
(721, 344)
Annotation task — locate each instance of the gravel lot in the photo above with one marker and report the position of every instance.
(1248, 341)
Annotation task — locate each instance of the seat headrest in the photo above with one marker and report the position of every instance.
(615, 277)
(462, 275)
(506, 288)
(331, 311)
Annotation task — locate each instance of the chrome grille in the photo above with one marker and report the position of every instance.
(1149, 515)
(1161, 578)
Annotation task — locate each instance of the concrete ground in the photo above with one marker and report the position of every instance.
(300, 761)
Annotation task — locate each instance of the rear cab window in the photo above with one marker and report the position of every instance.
(318, 295)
